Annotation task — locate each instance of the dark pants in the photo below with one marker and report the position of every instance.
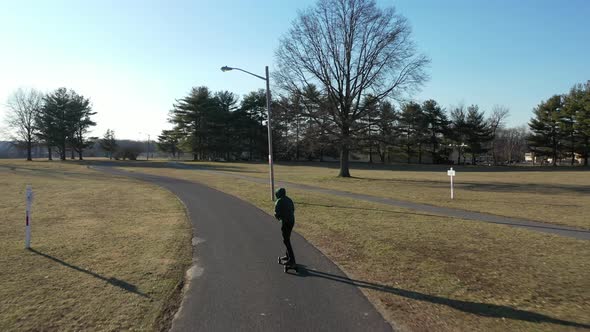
(286, 228)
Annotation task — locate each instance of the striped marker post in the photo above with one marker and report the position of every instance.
(29, 198)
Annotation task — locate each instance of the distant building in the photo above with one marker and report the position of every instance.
(530, 157)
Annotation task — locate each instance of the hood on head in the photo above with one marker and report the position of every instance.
(280, 193)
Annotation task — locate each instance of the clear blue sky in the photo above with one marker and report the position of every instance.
(134, 58)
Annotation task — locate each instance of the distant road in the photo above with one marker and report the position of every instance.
(236, 283)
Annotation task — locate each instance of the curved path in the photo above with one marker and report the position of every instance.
(235, 283)
(573, 232)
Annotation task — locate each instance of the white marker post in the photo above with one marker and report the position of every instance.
(29, 198)
(451, 173)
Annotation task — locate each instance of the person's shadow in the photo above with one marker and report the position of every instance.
(113, 281)
(480, 309)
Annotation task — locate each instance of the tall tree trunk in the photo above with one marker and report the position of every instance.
(381, 153)
(344, 164)
(434, 161)
(49, 154)
(80, 155)
(344, 153)
(586, 148)
(29, 148)
(72, 154)
(408, 146)
(554, 161)
(573, 150)
(420, 153)
(297, 141)
(250, 149)
(63, 151)
(370, 154)
(494, 149)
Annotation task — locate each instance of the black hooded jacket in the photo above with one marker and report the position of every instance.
(284, 207)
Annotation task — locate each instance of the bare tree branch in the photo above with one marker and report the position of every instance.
(350, 49)
(23, 106)
(496, 122)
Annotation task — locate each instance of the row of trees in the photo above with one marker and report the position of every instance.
(113, 148)
(561, 126)
(217, 126)
(60, 120)
(414, 132)
(212, 126)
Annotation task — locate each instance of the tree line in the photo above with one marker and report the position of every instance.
(121, 149)
(216, 125)
(59, 120)
(212, 126)
(560, 128)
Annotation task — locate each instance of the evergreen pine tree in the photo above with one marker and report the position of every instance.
(437, 125)
(546, 136)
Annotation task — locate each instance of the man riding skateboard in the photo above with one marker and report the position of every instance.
(285, 212)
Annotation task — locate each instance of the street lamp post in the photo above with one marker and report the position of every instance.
(268, 123)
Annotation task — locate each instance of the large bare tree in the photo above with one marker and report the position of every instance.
(23, 106)
(349, 49)
(496, 121)
(511, 144)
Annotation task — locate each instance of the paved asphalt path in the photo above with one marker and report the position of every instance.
(567, 231)
(235, 283)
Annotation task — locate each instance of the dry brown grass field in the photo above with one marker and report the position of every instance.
(108, 253)
(426, 272)
(554, 195)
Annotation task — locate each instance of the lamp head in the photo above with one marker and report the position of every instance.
(226, 68)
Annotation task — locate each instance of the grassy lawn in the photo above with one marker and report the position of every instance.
(109, 253)
(559, 196)
(431, 273)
